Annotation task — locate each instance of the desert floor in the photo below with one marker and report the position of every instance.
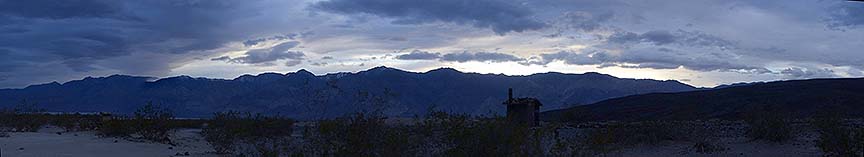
(47, 142)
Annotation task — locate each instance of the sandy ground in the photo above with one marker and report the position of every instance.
(47, 143)
(733, 148)
(731, 138)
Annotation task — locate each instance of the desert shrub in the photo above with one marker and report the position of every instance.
(439, 134)
(463, 135)
(234, 132)
(188, 123)
(569, 144)
(704, 139)
(603, 139)
(153, 123)
(24, 117)
(30, 122)
(359, 134)
(116, 127)
(835, 139)
(491, 137)
(76, 122)
(148, 122)
(858, 141)
(769, 125)
(618, 135)
(655, 132)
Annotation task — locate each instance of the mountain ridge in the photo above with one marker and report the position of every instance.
(304, 95)
(794, 98)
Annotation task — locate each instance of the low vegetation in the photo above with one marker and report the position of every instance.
(768, 125)
(76, 122)
(836, 139)
(25, 117)
(436, 134)
(616, 136)
(17, 122)
(248, 134)
(439, 134)
(150, 122)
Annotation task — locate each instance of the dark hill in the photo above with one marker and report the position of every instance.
(797, 98)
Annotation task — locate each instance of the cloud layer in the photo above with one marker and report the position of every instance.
(461, 57)
(268, 55)
(499, 15)
(706, 41)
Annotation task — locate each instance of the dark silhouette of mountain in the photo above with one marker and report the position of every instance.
(796, 98)
(736, 84)
(306, 96)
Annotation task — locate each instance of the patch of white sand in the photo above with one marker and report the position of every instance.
(47, 143)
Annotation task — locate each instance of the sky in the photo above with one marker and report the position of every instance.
(698, 42)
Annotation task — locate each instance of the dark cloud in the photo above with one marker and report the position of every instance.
(52, 9)
(292, 63)
(460, 56)
(653, 59)
(660, 37)
(847, 15)
(660, 49)
(580, 21)
(67, 39)
(319, 64)
(327, 57)
(278, 52)
(254, 42)
(223, 58)
(6, 62)
(397, 39)
(664, 37)
(80, 65)
(13, 30)
(623, 37)
(499, 15)
(585, 21)
(796, 72)
(419, 55)
(480, 57)
(290, 36)
(96, 45)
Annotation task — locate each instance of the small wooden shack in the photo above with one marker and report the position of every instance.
(523, 110)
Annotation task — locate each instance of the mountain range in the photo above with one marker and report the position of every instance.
(842, 97)
(303, 95)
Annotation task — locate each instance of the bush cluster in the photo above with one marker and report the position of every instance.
(76, 122)
(359, 134)
(615, 136)
(835, 139)
(439, 134)
(768, 125)
(148, 122)
(24, 117)
(248, 134)
(30, 122)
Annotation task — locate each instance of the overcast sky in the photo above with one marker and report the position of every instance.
(698, 42)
